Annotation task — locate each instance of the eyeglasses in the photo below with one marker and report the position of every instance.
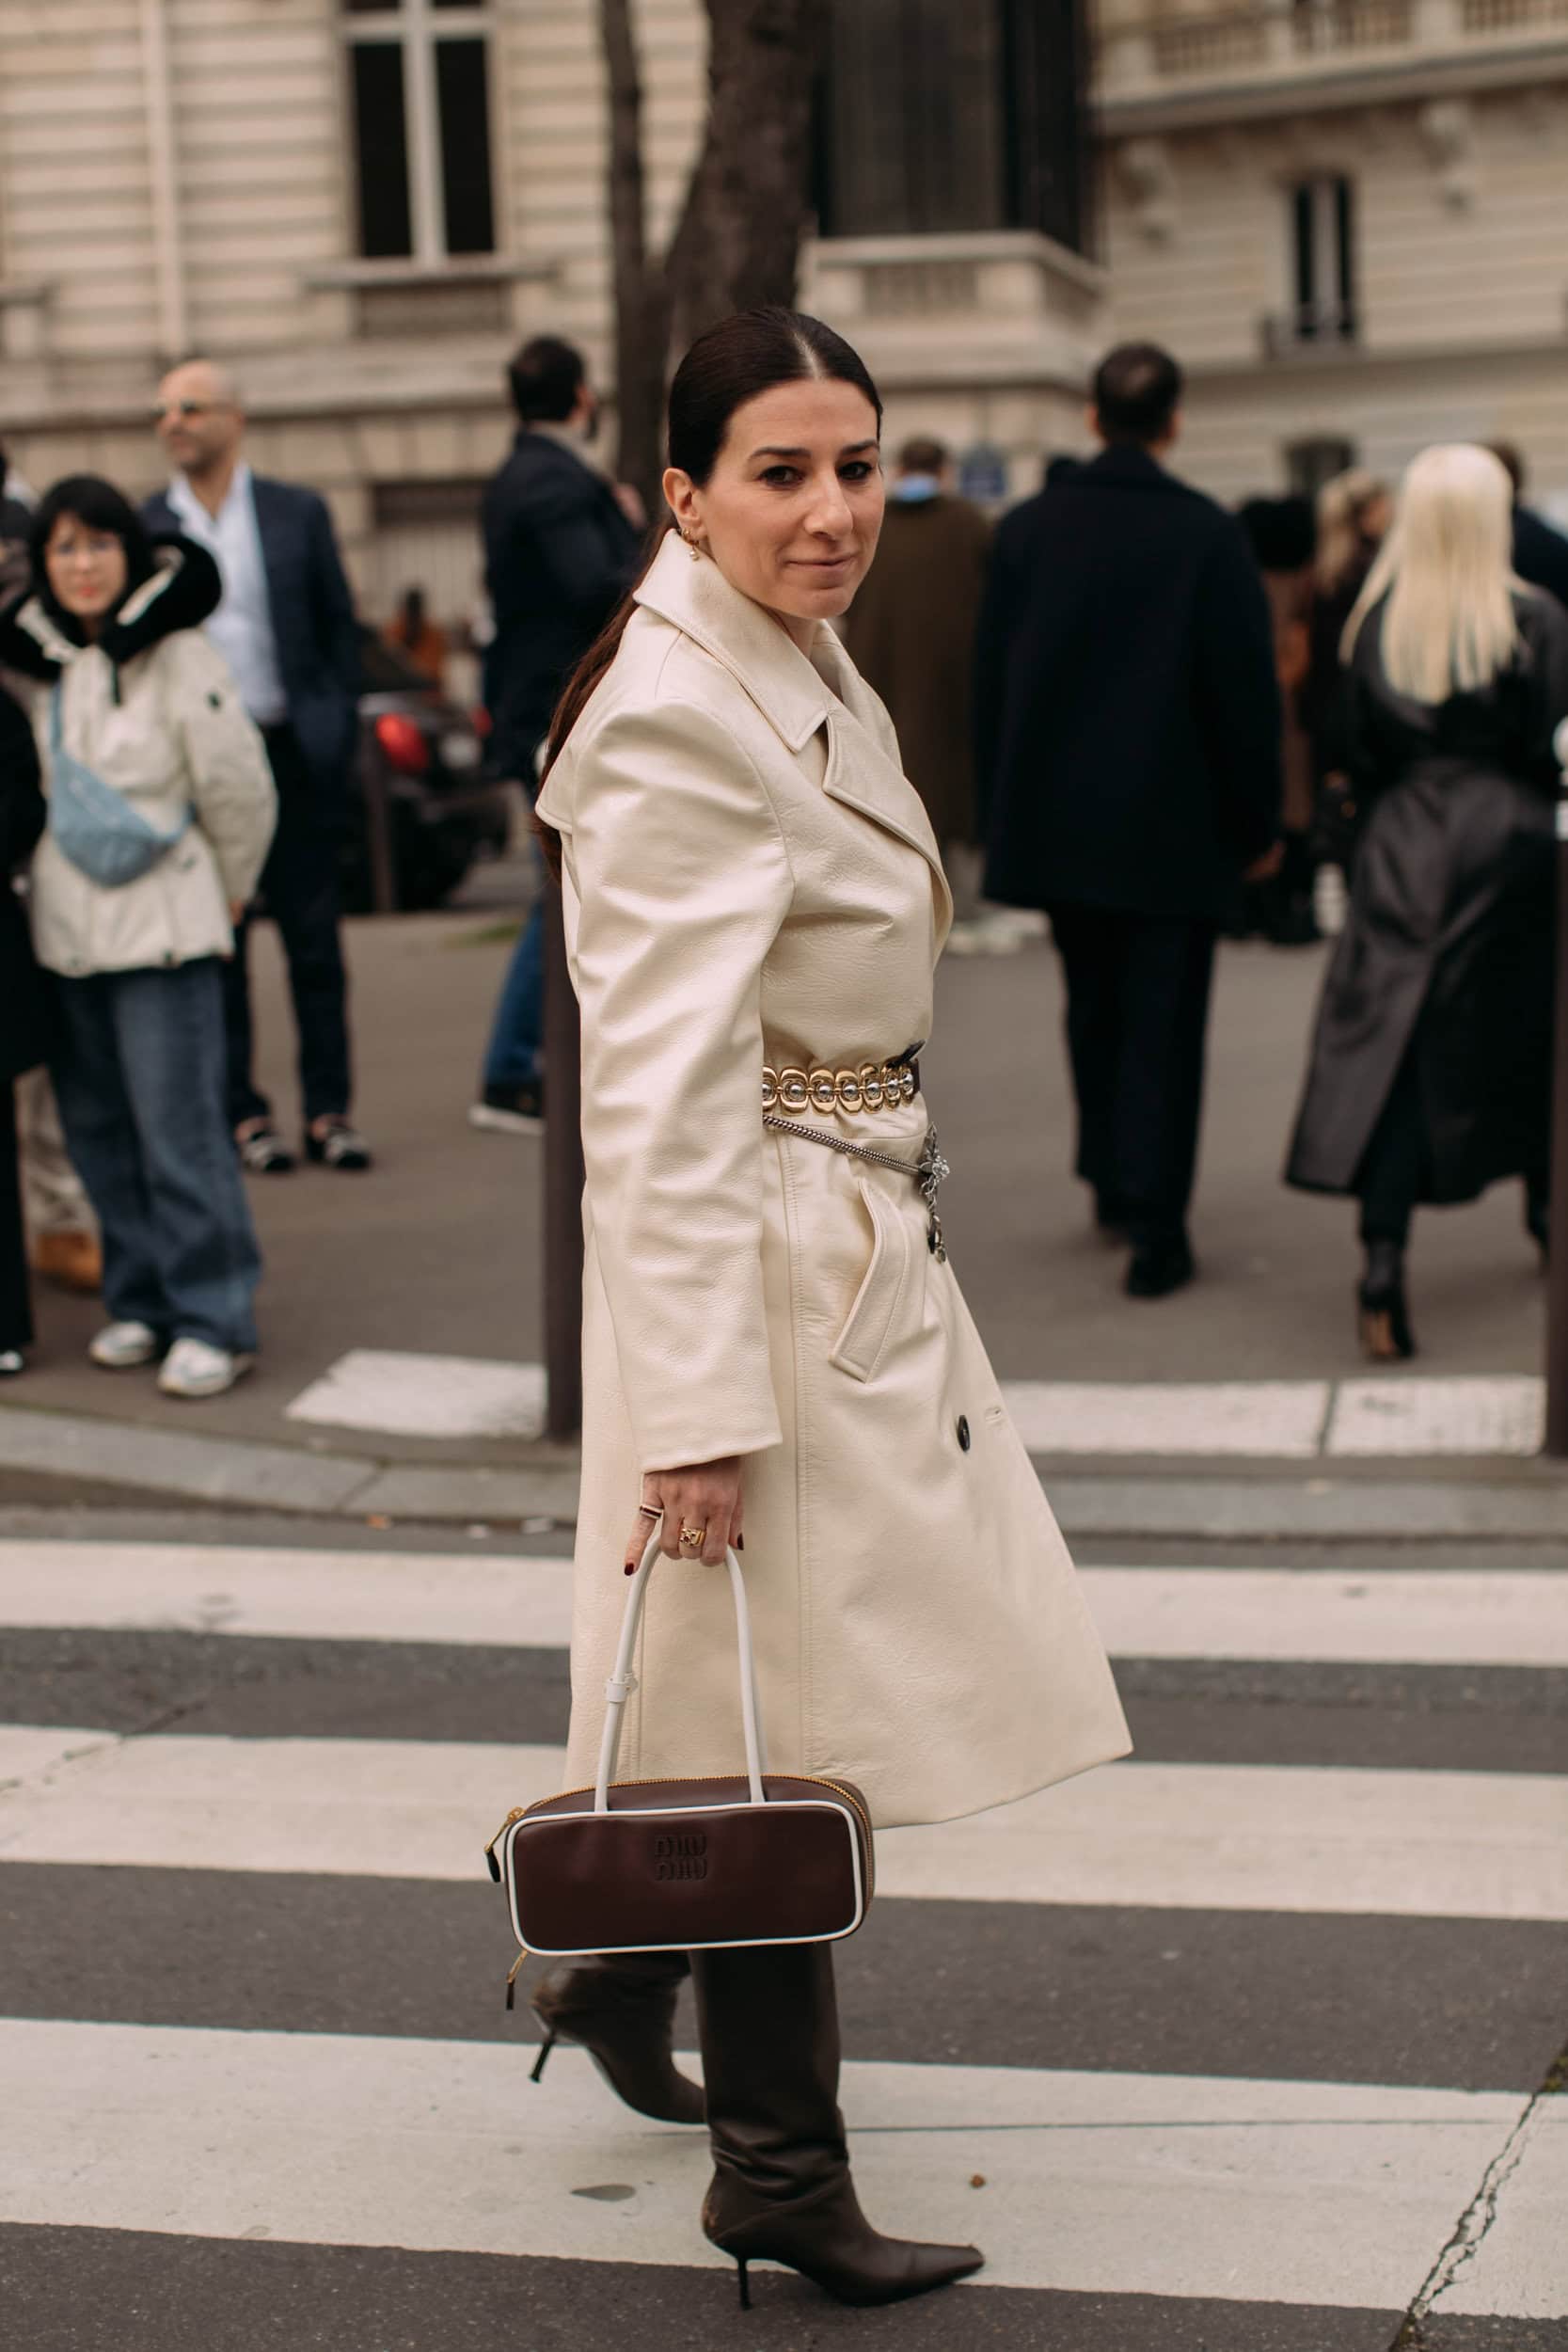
(182, 408)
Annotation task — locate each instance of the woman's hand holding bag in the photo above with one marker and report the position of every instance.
(703, 1495)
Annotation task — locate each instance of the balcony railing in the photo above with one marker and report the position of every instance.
(1283, 37)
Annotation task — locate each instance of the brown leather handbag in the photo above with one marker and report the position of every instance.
(642, 1865)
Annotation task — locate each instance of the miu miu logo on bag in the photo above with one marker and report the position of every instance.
(680, 1854)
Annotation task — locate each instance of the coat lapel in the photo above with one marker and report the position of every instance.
(794, 697)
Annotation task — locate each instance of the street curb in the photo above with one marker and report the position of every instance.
(1483, 1498)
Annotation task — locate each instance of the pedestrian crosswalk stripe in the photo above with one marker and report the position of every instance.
(1315, 2193)
(1253, 1837)
(398, 1393)
(1411, 1616)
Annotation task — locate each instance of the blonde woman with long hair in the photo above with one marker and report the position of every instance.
(1429, 1075)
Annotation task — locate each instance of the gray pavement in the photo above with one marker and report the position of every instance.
(437, 1252)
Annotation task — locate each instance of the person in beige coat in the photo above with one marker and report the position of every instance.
(144, 743)
(776, 1349)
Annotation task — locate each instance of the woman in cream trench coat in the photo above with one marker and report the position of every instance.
(751, 883)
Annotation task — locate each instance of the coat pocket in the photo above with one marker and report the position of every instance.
(887, 1281)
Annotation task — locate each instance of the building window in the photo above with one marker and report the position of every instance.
(1323, 262)
(418, 82)
(935, 118)
(1309, 463)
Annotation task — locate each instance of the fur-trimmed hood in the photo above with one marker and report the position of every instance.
(185, 587)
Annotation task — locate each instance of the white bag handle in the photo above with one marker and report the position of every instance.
(622, 1682)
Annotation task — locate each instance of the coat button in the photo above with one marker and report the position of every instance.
(963, 1430)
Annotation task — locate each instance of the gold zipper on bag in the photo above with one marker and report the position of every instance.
(695, 1780)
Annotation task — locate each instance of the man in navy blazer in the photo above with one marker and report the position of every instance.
(287, 625)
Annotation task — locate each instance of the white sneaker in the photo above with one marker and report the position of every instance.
(12, 1364)
(194, 1368)
(122, 1346)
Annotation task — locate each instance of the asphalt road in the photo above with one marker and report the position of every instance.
(1252, 2045)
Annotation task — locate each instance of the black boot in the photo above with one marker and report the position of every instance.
(620, 2007)
(781, 2189)
(1382, 1316)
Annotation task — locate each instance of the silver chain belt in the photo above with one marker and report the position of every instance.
(929, 1172)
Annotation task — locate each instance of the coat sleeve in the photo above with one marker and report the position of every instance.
(332, 600)
(231, 785)
(683, 881)
(1238, 691)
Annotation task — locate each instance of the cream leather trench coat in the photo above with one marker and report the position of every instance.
(748, 880)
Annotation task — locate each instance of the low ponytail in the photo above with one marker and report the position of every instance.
(743, 357)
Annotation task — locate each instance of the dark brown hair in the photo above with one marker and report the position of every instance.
(741, 358)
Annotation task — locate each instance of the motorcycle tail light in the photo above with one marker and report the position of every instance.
(405, 742)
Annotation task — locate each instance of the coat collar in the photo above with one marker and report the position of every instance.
(184, 588)
(696, 599)
(794, 696)
(1123, 465)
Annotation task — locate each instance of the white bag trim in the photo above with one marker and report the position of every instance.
(622, 1682)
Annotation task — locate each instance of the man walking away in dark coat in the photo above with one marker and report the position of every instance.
(288, 630)
(1130, 760)
(1540, 549)
(562, 545)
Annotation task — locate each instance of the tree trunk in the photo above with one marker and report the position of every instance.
(642, 300)
(746, 211)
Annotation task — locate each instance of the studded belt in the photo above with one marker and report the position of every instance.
(872, 1086)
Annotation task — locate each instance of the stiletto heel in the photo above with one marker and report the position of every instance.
(544, 2048)
(620, 2008)
(745, 2283)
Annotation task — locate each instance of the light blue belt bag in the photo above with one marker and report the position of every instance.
(95, 826)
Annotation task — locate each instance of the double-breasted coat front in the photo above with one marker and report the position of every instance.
(749, 881)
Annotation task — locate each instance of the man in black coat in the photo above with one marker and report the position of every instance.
(286, 627)
(1540, 549)
(1129, 765)
(561, 549)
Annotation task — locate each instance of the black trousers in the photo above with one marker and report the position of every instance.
(1137, 1016)
(16, 1321)
(300, 884)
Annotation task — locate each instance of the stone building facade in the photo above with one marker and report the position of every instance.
(1350, 217)
(1347, 214)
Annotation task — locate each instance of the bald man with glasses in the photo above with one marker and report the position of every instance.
(288, 629)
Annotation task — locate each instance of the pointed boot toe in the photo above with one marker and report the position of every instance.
(827, 2239)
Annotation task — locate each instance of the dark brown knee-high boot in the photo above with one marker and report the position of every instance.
(781, 2192)
(620, 2007)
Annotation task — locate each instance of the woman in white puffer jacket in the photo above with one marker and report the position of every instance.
(161, 810)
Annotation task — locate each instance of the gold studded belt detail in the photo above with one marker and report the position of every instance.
(874, 1086)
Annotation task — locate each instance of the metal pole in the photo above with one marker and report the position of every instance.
(1556, 1259)
(378, 838)
(563, 1179)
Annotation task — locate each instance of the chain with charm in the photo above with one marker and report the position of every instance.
(929, 1172)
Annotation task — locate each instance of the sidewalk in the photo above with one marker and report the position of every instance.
(435, 1255)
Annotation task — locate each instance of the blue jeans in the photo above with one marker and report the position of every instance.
(511, 1057)
(140, 1081)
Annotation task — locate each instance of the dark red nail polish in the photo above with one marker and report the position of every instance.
(741, 1543)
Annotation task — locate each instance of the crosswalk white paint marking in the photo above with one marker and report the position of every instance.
(1521, 2265)
(1508, 1618)
(306, 1596)
(1468, 1845)
(1383, 1616)
(404, 1393)
(1314, 2193)
(425, 1397)
(1408, 1413)
(1259, 1417)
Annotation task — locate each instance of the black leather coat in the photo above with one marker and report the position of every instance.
(24, 1031)
(1447, 947)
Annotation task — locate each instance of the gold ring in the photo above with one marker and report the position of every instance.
(695, 1536)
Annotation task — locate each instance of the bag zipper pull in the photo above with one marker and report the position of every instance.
(516, 1815)
(511, 1977)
